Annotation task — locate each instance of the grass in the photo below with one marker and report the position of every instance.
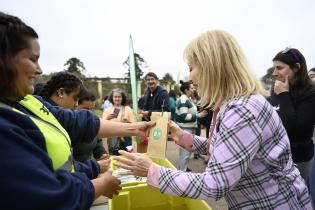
(98, 112)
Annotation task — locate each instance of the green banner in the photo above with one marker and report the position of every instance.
(133, 80)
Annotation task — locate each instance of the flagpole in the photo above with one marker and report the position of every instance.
(133, 80)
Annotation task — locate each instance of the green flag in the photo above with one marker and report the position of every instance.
(133, 77)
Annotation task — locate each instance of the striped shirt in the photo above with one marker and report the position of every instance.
(250, 163)
(186, 112)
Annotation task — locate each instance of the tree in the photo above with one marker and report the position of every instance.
(75, 66)
(268, 79)
(167, 78)
(140, 65)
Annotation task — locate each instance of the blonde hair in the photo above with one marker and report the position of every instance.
(223, 69)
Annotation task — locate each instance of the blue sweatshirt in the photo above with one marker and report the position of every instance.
(27, 177)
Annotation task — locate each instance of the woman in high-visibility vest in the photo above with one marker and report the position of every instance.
(37, 170)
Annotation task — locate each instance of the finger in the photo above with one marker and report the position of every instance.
(126, 154)
(124, 173)
(150, 124)
(172, 124)
(123, 165)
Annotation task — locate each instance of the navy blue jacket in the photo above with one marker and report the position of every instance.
(83, 151)
(160, 96)
(27, 177)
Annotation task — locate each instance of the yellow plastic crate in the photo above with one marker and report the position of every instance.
(138, 195)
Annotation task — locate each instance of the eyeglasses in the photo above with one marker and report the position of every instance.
(292, 52)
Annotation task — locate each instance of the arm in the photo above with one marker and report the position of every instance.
(90, 167)
(187, 140)
(234, 147)
(27, 174)
(81, 125)
(84, 125)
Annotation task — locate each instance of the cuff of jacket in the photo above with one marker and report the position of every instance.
(153, 175)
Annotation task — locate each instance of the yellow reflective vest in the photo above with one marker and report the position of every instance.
(58, 143)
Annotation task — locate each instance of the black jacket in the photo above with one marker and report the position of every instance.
(298, 117)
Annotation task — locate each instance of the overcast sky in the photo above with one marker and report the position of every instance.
(97, 31)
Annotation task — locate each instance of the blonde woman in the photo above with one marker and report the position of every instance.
(250, 160)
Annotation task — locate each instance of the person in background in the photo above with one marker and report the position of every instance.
(156, 98)
(250, 159)
(37, 168)
(172, 103)
(119, 112)
(63, 89)
(84, 151)
(186, 117)
(294, 100)
(38, 87)
(106, 103)
(311, 74)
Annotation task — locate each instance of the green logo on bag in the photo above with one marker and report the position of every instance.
(157, 133)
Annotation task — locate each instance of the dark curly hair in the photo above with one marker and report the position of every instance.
(15, 36)
(123, 96)
(69, 82)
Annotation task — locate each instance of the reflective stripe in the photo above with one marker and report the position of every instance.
(57, 140)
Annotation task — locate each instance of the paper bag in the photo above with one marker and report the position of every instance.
(158, 135)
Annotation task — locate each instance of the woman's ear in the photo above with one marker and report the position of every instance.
(298, 67)
(60, 92)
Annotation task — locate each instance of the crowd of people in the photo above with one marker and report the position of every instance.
(260, 146)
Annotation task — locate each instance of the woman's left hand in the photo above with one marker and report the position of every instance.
(137, 164)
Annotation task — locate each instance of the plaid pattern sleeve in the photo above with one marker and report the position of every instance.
(200, 144)
(250, 165)
(192, 142)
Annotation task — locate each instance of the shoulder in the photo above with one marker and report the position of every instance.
(183, 99)
(309, 93)
(161, 90)
(253, 105)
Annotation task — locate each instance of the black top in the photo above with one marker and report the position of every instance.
(150, 99)
(298, 117)
(157, 101)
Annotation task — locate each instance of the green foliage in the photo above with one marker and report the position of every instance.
(140, 65)
(167, 78)
(98, 112)
(268, 78)
(75, 66)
